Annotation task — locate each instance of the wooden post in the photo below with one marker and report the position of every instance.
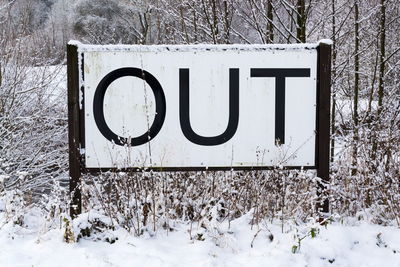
(323, 120)
(74, 130)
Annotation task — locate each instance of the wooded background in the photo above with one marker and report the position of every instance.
(365, 144)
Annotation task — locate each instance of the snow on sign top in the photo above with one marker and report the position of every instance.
(196, 47)
(198, 106)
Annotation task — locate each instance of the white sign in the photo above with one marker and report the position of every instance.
(199, 106)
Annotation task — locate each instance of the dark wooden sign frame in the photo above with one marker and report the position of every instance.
(76, 130)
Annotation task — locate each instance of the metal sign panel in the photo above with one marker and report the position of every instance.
(199, 106)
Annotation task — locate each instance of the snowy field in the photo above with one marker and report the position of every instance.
(353, 243)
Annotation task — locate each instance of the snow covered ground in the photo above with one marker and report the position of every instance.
(355, 243)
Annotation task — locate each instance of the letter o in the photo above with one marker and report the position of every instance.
(98, 106)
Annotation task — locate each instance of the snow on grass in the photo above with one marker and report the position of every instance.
(355, 244)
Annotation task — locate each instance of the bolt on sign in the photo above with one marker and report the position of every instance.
(194, 107)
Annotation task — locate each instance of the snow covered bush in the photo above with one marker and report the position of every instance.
(33, 124)
(150, 201)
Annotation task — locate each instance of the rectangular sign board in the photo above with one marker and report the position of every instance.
(198, 107)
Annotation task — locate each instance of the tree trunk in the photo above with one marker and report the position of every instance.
(227, 22)
(382, 51)
(356, 84)
(333, 118)
(301, 21)
(270, 26)
(382, 57)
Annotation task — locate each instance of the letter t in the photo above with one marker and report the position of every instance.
(279, 75)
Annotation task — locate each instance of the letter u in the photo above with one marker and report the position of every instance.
(184, 106)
